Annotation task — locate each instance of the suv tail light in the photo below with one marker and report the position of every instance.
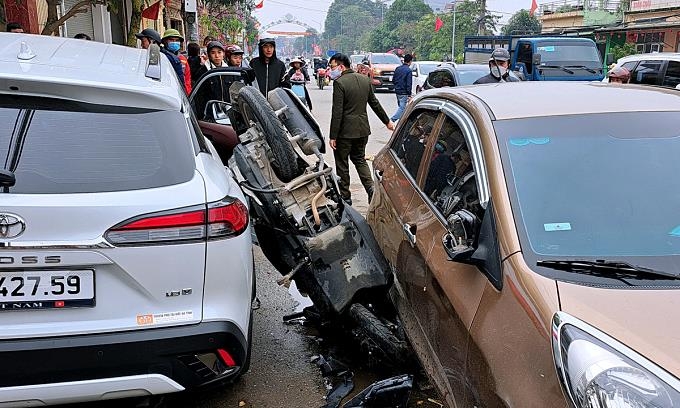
(222, 219)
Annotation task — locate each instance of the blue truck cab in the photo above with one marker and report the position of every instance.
(541, 58)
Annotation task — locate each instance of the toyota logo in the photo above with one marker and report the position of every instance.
(11, 226)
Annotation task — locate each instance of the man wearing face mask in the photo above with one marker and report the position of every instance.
(269, 70)
(349, 123)
(498, 65)
(172, 41)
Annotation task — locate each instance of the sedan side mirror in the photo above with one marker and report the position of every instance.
(459, 242)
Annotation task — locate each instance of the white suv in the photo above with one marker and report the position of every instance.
(125, 248)
(662, 69)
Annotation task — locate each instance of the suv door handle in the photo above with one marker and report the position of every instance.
(410, 232)
(378, 175)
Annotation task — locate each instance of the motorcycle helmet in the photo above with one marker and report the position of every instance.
(232, 49)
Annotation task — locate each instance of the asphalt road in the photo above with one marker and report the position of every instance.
(282, 373)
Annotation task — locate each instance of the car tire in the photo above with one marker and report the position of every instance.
(392, 347)
(254, 106)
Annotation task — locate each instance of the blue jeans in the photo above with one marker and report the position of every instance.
(402, 100)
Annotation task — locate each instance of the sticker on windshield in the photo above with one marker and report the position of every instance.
(528, 141)
(675, 232)
(557, 226)
(547, 48)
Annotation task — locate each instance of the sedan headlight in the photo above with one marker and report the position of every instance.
(597, 371)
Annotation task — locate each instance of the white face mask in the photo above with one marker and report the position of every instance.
(499, 72)
(335, 73)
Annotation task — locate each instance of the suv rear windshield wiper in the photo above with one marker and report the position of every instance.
(605, 266)
(592, 71)
(567, 70)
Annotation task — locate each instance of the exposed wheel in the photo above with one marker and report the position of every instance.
(255, 107)
(392, 347)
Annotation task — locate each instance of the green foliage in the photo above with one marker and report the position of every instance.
(405, 11)
(620, 51)
(522, 23)
(347, 22)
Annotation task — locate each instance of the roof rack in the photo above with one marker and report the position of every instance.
(153, 66)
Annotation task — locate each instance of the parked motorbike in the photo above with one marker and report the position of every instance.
(323, 77)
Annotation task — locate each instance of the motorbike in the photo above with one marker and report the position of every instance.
(298, 88)
(323, 77)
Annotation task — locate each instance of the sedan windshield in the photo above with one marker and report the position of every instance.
(599, 186)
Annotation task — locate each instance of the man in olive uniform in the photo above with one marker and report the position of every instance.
(349, 123)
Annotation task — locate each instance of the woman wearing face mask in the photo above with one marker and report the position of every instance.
(172, 41)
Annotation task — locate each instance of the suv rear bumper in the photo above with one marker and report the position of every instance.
(167, 356)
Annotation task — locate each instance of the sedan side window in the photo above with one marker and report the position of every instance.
(646, 73)
(451, 183)
(672, 78)
(410, 144)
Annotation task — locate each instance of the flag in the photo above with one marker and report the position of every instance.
(152, 11)
(260, 4)
(438, 23)
(534, 6)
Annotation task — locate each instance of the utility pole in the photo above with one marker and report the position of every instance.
(453, 34)
(482, 17)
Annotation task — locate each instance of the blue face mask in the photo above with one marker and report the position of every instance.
(335, 73)
(173, 46)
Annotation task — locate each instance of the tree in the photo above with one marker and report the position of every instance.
(521, 23)
(405, 11)
(340, 12)
(620, 51)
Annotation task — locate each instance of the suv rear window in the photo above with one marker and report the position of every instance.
(78, 148)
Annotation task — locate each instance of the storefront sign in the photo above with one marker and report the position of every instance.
(639, 5)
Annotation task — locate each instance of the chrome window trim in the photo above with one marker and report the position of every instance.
(471, 134)
(428, 104)
(560, 319)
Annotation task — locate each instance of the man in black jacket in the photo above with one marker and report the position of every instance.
(499, 65)
(269, 70)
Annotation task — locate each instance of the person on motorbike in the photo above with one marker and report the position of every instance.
(298, 76)
(233, 54)
(499, 65)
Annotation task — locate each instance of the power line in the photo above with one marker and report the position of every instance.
(297, 6)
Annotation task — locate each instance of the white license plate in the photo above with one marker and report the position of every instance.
(51, 289)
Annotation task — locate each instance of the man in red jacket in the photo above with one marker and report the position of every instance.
(172, 40)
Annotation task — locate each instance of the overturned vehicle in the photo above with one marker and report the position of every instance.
(302, 225)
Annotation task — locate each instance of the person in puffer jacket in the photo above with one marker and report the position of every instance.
(172, 41)
(269, 70)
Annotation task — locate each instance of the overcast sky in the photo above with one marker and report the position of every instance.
(313, 12)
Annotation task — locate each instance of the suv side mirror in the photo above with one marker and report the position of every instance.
(460, 240)
(610, 59)
(536, 60)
